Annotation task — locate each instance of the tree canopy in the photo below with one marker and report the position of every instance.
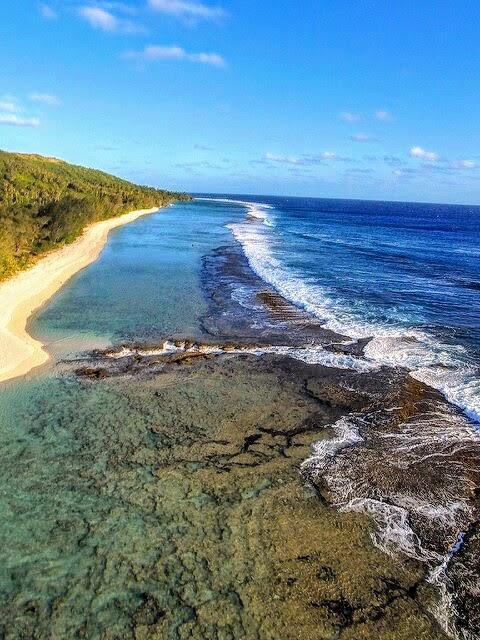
(45, 203)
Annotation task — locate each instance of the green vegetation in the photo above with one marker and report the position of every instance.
(45, 203)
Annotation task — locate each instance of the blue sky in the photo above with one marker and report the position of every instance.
(334, 98)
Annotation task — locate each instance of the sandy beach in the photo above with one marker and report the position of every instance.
(26, 292)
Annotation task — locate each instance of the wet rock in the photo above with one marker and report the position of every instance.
(92, 373)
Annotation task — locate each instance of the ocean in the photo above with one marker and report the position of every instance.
(405, 275)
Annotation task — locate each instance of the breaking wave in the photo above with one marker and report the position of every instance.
(441, 366)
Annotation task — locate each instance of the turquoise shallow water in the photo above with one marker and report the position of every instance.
(145, 283)
(58, 483)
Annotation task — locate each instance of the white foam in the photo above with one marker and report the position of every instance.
(438, 365)
(244, 297)
(445, 610)
(346, 435)
(244, 203)
(257, 244)
(392, 516)
(168, 347)
(394, 532)
(460, 387)
(314, 354)
(257, 210)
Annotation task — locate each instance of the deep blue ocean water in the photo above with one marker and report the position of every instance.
(406, 274)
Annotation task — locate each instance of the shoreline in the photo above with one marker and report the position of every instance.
(27, 291)
(342, 491)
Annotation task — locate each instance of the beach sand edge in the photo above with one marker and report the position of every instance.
(29, 290)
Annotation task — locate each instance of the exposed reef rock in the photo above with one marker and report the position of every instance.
(251, 548)
(285, 486)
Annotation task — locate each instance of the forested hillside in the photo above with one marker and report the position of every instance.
(45, 203)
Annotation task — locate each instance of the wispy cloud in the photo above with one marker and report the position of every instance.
(323, 156)
(16, 121)
(362, 137)
(99, 18)
(9, 105)
(155, 53)
(11, 113)
(273, 157)
(44, 98)
(404, 171)
(393, 160)
(187, 9)
(384, 116)
(193, 167)
(47, 12)
(464, 164)
(120, 7)
(359, 170)
(201, 147)
(423, 154)
(442, 167)
(306, 159)
(103, 19)
(349, 116)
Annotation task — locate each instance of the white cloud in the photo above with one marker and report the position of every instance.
(348, 116)
(187, 9)
(385, 116)
(164, 53)
(100, 18)
(44, 98)
(47, 12)
(272, 157)
(405, 172)
(155, 52)
(464, 164)
(362, 137)
(207, 58)
(121, 7)
(418, 152)
(10, 105)
(306, 160)
(16, 121)
(328, 155)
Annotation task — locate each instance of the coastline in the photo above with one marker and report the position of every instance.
(343, 491)
(27, 291)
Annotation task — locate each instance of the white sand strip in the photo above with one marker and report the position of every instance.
(27, 291)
